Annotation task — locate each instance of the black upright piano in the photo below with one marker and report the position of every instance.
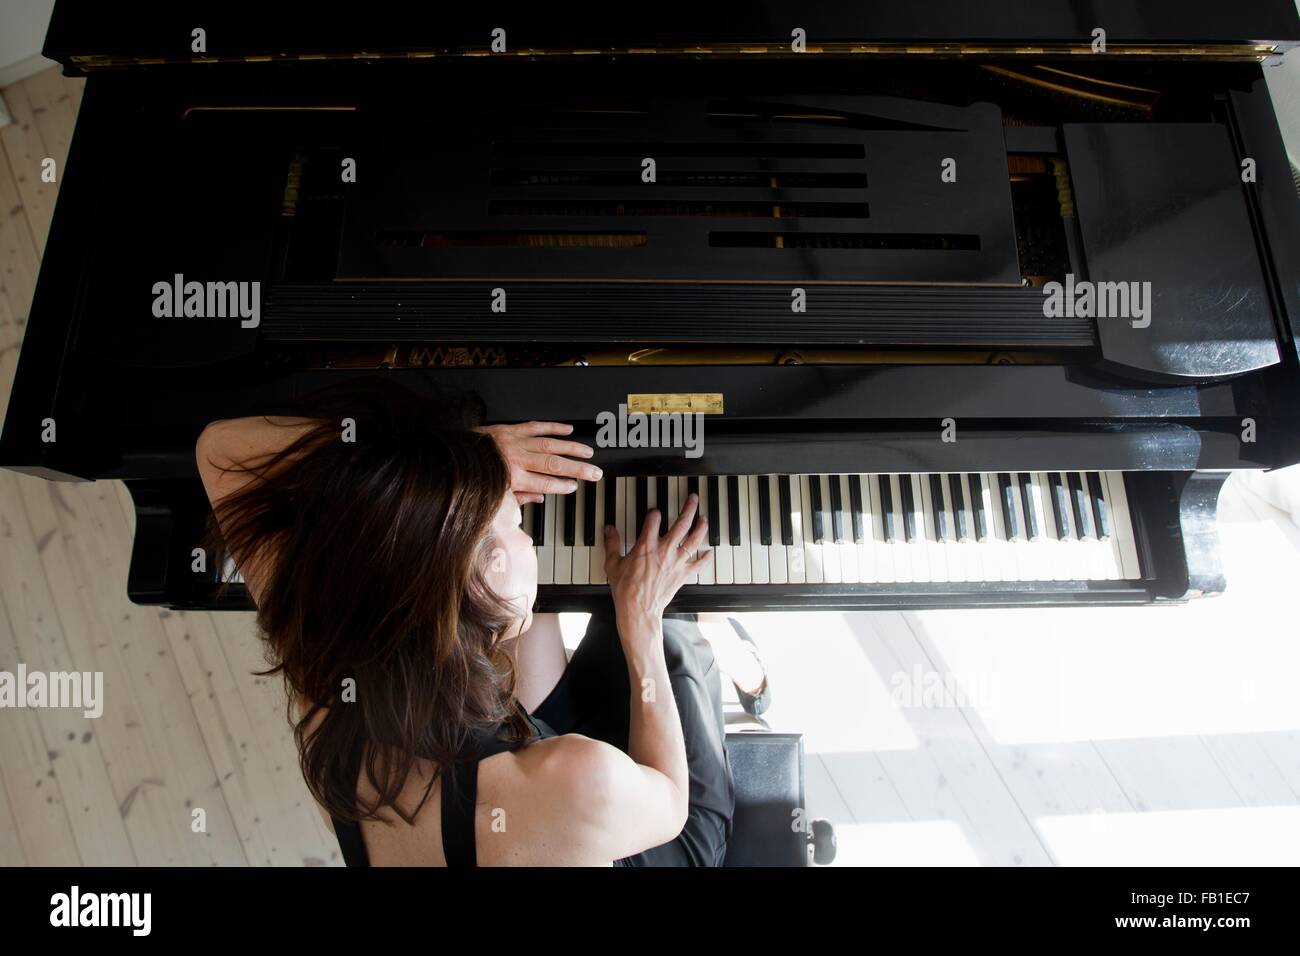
(979, 304)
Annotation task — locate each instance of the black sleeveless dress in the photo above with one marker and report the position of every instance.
(592, 699)
(458, 797)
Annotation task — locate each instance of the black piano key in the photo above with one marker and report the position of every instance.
(642, 505)
(661, 502)
(526, 519)
(940, 513)
(783, 501)
(975, 488)
(539, 522)
(1027, 503)
(887, 507)
(570, 501)
(960, 516)
(1081, 506)
(815, 506)
(589, 515)
(764, 511)
(733, 511)
(715, 513)
(692, 486)
(909, 507)
(855, 506)
(836, 508)
(1060, 504)
(1099, 509)
(611, 501)
(1007, 502)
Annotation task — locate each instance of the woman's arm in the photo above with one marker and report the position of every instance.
(232, 442)
(539, 463)
(618, 803)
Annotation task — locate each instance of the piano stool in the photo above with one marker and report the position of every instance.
(768, 770)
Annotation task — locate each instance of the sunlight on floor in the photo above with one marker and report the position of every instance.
(1237, 836)
(921, 843)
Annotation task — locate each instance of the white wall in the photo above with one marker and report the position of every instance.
(22, 34)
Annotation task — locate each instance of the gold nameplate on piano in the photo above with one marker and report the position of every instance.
(665, 403)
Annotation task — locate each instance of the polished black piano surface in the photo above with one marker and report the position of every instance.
(847, 253)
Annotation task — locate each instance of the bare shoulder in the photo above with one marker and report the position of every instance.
(556, 793)
(569, 764)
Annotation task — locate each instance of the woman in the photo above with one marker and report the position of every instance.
(437, 722)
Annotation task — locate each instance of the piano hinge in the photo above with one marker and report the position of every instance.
(448, 356)
(291, 185)
(1064, 195)
(701, 403)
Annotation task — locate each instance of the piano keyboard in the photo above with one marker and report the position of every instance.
(857, 528)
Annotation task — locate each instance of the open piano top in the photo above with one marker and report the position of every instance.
(922, 393)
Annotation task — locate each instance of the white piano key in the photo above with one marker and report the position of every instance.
(757, 550)
(811, 549)
(1076, 557)
(1122, 530)
(848, 550)
(1001, 564)
(879, 557)
(563, 552)
(1044, 567)
(975, 557)
(918, 551)
(830, 550)
(900, 550)
(1023, 550)
(724, 565)
(934, 552)
(868, 570)
(1075, 564)
(603, 487)
(777, 568)
(581, 546)
(956, 557)
(1106, 553)
(1098, 552)
(797, 557)
(1057, 553)
(707, 574)
(742, 558)
(546, 553)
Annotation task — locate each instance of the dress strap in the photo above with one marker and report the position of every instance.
(348, 832)
(460, 797)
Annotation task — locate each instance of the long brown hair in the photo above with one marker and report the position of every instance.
(374, 574)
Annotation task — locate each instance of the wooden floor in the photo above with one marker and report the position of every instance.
(1079, 736)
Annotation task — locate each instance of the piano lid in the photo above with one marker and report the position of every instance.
(96, 36)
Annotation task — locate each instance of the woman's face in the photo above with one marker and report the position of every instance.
(512, 565)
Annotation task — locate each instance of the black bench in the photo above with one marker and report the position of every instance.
(771, 826)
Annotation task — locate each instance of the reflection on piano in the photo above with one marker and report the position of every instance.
(1086, 454)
